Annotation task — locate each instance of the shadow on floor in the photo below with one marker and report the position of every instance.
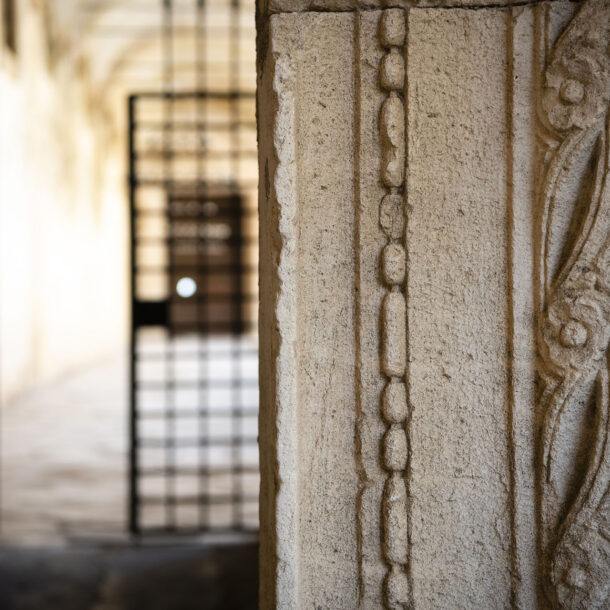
(135, 578)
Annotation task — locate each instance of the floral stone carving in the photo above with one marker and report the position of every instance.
(574, 322)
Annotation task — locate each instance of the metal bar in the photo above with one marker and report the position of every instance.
(217, 299)
(202, 324)
(192, 413)
(142, 211)
(196, 532)
(158, 385)
(203, 267)
(168, 76)
(236, 485)
(192, 125)
(133, 435)
(160, 443)
(194, 355)
(218, 307)
(196, 499)
(182, 95)
(217, 154)
(216, 470)
(162, 182)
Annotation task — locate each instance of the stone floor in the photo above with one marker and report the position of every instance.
(63, 501)
(148, 578)
(63, 457)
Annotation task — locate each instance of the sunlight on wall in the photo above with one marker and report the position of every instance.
(63, 218)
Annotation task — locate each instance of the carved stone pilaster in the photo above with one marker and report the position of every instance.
(435, 304)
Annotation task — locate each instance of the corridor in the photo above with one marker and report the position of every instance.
(128, 303)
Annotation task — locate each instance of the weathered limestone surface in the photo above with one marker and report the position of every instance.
(457, 191)
(435, 308)
(309, 297)
(291, 6)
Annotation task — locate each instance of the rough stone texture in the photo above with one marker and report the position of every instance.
(292, 6)
(435, 283)
(458, 323)
(307, 371)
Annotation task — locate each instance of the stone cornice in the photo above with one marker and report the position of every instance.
(297, 6)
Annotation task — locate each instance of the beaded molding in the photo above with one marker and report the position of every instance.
(394, 408)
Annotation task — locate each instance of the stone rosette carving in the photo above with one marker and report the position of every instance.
(574, 322)
(394, 407)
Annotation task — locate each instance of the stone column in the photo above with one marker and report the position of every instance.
(435, 304)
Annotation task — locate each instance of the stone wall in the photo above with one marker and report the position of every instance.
(63, 213)
(435, 307)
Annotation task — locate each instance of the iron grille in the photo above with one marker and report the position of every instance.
(194, 357)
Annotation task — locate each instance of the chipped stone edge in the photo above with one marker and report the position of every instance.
(279, 540)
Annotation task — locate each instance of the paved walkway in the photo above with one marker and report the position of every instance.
(63, 458)
(150, 578)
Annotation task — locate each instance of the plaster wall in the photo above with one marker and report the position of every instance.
(63, 215)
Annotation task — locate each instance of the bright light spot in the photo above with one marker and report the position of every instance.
(186, 287)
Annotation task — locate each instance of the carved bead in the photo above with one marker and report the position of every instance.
(395, 448)
(392, 28)
(396, 588)
(392, 71)
(573, 334)
(393, 264)
(391, 217)
(394, 403)
(392, 124)
(576, 77)
(572, 92)
(395, 527)
(394, 407)
(393, 334)
(576, 577)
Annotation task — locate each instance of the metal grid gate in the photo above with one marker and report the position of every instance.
(194, 356)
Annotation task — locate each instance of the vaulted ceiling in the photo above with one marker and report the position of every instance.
(139, 45)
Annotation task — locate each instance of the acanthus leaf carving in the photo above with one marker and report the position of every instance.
(574, 324)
